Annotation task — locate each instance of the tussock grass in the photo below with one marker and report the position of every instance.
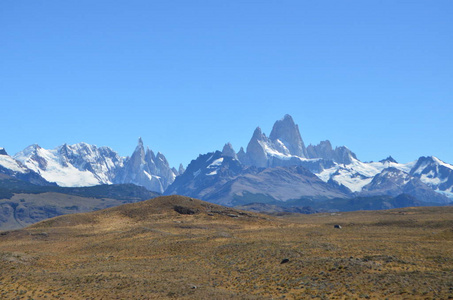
(149, 250)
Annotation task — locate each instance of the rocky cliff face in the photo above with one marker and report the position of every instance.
(285, 133)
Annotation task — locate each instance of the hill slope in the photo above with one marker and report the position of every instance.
(23, 203)
(181, 248)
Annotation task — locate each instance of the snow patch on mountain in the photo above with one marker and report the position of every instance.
(55, 168)
(10, 163)
(357, 174)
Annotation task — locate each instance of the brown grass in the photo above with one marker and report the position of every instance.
(148, 250)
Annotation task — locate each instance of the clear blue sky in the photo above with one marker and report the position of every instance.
(189, 76)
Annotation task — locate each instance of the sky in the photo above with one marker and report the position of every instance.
(190, 76)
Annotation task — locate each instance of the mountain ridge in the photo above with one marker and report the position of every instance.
(82, 164)
(278, 167)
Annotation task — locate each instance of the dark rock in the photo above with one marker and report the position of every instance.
(185, 210)
(284, 261)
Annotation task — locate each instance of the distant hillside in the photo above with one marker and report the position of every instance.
(23, 203)
(309, 206)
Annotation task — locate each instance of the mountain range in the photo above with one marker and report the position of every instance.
(87, 165)
(272, 169)
(280, 168)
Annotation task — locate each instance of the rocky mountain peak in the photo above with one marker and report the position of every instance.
(242, 156)
(389, 159)
(3, 151)
(149, 153)
(138, 157)
(322, 150)
(256, 154)
(343, 155)
(229, 151)
(181, 169)
(146, 169)
(258, 134)
(160, 158)
(140, 148)
(287, 132)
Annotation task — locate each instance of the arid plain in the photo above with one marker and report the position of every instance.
(181, 248)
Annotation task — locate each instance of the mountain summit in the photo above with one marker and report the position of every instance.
(285, 147)
(286, 132)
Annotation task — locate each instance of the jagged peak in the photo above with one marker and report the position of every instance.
(181, 169)
(148, 150)
(228, 145)
(140, 147)
(434, 160)
(342, 147)
(161, 157)
(29, 150)
(388, 159)
(228, 150)
(287, 132)
(149, 155)
(287, 118)
(282, 126)
(257, 134)
(3, 151)
(325, 143)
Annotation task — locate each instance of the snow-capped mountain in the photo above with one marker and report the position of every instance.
(357, 174)
(11, 167)
(72, 165)
(339, 166)
(220, 178)
(146, 169)
(434, 173)
(285, 147)
(394, 182)
(87, 165)
(431, 171)
(274, 168)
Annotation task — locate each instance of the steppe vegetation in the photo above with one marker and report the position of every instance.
(181, 248)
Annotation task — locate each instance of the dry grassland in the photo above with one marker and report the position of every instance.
(149, 250)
